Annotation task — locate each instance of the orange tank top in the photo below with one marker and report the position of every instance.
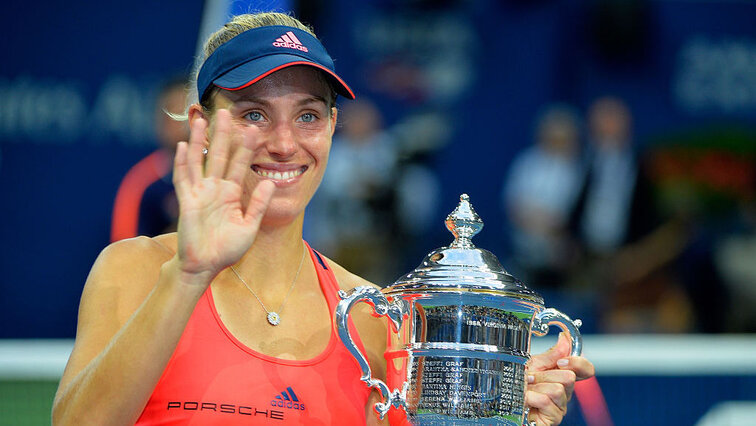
(213, 379)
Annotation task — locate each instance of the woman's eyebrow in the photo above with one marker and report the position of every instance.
(250, 100)
(312, 99)
(261, 101)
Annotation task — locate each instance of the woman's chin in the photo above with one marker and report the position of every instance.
(282, 213)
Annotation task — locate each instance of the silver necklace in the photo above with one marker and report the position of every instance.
(274, 318)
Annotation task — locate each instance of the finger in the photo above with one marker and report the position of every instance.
(180, 167)
(548, 360)
(217, 155)
(582, 368)
(239, 165)
(543, 409)
(194, 157)
(565, 378)
(258, 202)
(555, 391)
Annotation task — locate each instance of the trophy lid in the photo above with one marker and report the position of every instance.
(461, 266)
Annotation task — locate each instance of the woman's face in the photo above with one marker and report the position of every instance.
(287, 117)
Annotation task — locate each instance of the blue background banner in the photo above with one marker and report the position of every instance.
(77, 88)
(79, 79)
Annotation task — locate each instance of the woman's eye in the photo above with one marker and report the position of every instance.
(254, 116)
(307, 117)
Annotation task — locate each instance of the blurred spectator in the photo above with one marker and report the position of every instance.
(539, 194)
(146, 203)
(419, 137)
(352, 214)
(627, 254)
(615, 204)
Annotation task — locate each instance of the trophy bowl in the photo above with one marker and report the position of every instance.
(461, 328)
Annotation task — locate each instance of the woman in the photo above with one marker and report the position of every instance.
(229, 319)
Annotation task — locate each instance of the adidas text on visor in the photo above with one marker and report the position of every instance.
(259, 52)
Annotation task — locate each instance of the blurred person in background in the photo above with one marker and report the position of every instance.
(627, 253)
(224, 315)
(539, 194)
(145, 203)
(615, 204)
(352, 215)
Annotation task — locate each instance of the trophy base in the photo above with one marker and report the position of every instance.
(471, 388)
(432, 419)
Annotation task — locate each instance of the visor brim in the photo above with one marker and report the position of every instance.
(255, 70)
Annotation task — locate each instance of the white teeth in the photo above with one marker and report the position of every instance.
(279, 175)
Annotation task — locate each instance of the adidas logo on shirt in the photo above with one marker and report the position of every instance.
(287, 399)
(291, 41)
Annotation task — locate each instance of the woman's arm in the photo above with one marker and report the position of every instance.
(118, 358)
(137, 299)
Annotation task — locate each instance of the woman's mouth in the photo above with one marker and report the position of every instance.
(280, 175)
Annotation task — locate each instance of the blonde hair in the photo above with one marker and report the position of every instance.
(242, 23)
(237, 25)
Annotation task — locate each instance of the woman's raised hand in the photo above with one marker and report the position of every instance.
(215, 228)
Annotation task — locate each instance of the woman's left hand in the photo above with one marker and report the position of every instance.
(551, 379)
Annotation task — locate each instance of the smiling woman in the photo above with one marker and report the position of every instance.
(286, 117)
(168, 330)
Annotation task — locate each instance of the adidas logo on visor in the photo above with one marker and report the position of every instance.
(291, 41)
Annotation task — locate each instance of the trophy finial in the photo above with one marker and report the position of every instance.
(464, 223)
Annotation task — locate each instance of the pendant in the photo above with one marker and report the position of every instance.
(273, 318)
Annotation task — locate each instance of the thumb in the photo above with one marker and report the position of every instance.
(258, 202)
(548, 360)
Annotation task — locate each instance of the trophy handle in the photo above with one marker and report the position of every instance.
(395, 311)
(550, 316)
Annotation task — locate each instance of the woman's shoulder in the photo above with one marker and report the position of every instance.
(145, 250)
(125, 272)
(132, 261)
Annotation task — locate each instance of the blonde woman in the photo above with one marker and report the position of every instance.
(228, 320)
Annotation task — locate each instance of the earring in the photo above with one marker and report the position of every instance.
(204, 151)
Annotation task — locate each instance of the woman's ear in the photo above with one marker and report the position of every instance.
(334, 116)
(196, 112)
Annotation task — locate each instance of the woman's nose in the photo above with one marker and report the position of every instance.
(282, 142)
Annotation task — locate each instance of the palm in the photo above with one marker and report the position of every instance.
(212, 228)
(215, 226)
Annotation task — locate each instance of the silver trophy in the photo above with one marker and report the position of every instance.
(462, 327)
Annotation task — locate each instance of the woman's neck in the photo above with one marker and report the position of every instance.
(275, 255)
